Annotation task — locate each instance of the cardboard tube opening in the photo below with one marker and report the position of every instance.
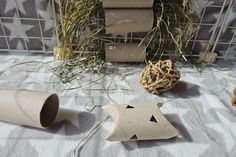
(49, 110)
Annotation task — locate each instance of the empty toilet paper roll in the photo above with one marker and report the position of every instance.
(120, 21)
(27, 107)
(128, 3)
(132, 52)
(139, 122)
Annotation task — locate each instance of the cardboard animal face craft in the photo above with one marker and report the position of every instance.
(141, 122)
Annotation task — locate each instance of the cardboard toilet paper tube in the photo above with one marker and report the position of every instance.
(139, 122)
(125, 52)
(128, 20)
(128, 3)
(27, 107)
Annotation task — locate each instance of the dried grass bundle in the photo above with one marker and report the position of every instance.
(78, 28)
(173, 28)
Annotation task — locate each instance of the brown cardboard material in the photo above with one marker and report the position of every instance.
(139, 122)
(132, 52)
(27, 107)
(120, 21)
(128, 3)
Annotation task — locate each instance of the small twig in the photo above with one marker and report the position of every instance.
(91, 133)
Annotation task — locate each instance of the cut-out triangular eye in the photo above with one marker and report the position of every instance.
(129, 106)
(134, 137)
(153, 119)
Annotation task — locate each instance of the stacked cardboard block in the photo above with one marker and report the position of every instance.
(127, 21)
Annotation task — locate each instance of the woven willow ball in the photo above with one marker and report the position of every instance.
(160, 76)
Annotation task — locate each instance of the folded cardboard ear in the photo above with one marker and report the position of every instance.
(139, 122)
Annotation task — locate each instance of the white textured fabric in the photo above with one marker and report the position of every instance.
(199, 107)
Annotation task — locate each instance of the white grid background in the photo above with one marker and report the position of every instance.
(42, 37)
(212, 43)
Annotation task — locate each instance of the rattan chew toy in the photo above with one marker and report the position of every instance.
(160, 76)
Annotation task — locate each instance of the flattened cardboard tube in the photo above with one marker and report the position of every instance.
(139, 122)
(128, 3)
(125, 52)
(26, 107)
(120, 21)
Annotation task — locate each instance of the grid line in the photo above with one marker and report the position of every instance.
(211, 42)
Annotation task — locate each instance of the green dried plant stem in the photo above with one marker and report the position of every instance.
(77, 16)
(81, 33)
(171, 19)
